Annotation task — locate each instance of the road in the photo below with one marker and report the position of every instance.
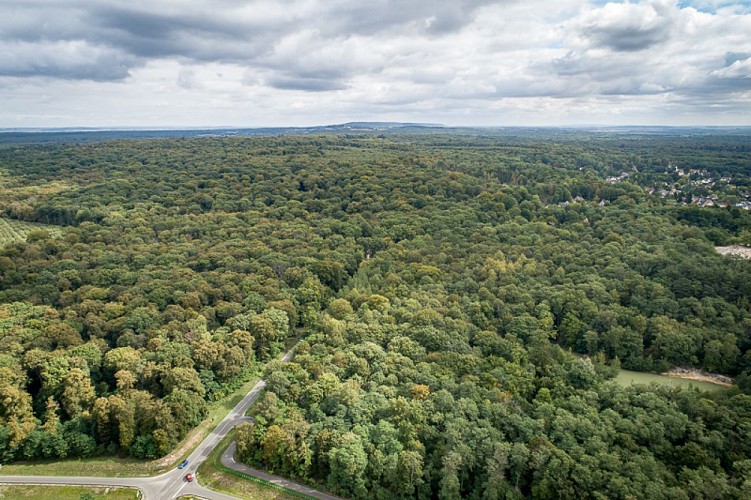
(228, 460)
(172, 484)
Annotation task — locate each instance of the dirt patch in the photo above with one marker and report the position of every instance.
(737, 250)
(700, 376)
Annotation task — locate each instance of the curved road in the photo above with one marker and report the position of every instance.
(173, 484)
(228, 460)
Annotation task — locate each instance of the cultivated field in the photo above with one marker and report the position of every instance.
(12, 231)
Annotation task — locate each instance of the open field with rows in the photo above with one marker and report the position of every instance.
(12, 231)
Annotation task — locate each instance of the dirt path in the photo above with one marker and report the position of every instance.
(195, 437)
(700, 376)
(736, 250)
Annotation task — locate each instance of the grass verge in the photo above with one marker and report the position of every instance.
(41, 492)
(215, 476)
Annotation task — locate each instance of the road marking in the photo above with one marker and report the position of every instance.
(177, 493)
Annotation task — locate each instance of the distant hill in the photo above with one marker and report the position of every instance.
(51, 135)
(68, 135)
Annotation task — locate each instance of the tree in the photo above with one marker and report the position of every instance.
(78, 395)
(449, 485)
(340, 308)
(16, 414)
(348, 462)
(185, 379)
(51, 416)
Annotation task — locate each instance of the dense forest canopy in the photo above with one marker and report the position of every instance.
(465, 303)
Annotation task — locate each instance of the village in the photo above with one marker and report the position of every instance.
(698, 187)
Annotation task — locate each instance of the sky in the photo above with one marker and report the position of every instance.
(212, 63)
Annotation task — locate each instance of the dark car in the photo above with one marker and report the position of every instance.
(183, 465)
(189, 477)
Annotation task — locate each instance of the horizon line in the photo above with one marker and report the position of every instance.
(391, 124)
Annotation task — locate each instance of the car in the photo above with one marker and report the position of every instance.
(183, 465)
(189, 477)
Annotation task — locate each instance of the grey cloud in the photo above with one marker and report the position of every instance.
(310, 80)
(194, 35)
(145, 29)
(186, 79)
(629, 27)
(721, 84)
(433, 17)
(65, 60)
(732, 78)
(732, 57)
(595, 67)
(306, 84)
(36, 21)
(627, 38)
(220, 31)
(608, 74)
(633, 87)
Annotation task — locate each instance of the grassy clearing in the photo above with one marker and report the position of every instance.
(225, 482)
(627, 377)
(13, 231)
(41, 492)
(98, 466)
(131, 467)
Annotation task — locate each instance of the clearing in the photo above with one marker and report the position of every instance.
(736, 250)
(13, 231)
(43, 492)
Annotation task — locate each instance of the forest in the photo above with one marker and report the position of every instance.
(463, 302)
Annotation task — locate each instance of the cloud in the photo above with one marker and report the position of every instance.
(310, 84)
(369, 18)
(288, 36)
(629, 27)
(186, 79)
(733, 78)
(289, 61)
(655, 47)
(193, 33)
(73, 59)
(738, 68)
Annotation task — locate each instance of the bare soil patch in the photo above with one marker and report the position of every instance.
(701, 376)
(738, 250)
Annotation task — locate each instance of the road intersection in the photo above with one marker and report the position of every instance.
(172, 484)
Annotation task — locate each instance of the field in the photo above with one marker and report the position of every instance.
(37, 492)
(12, 231)
(628, 377)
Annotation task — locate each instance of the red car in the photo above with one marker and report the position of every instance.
(189, 477)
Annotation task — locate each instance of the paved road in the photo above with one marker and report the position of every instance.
(172, 484)
(147, 485)
(177, 485)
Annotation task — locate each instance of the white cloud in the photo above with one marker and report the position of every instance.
(302, 62)
(626, 26)
(738, 69)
